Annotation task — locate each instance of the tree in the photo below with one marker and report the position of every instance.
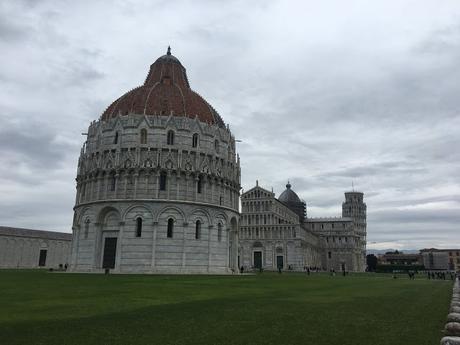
(371, 261)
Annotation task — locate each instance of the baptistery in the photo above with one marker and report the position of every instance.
(158, 183)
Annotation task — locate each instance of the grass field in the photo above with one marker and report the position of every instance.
(37, 307)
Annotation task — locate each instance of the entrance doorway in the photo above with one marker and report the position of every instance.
(280, 261)
(110, 252)
(42, 258)
(258, 259)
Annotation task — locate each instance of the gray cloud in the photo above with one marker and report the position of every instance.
(319, 95)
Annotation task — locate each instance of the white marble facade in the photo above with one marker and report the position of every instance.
(158, 193)
(272, 235)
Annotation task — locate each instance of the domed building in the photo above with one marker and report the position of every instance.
(158, 183)
(292, 201)
(275, 233)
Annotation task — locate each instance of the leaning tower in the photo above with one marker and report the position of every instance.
(355, 208)
(158, 183)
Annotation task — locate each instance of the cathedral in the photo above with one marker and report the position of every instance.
(277, 234)
(158, 191)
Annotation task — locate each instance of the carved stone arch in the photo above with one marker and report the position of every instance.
(220, 216)
(169, 207)
(195, 214)
(102, 214)
(125, 213)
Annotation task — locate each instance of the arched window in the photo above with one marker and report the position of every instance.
(219, 232)
(86, 228)
(163, 179)
(170, 138)
(115, 140)
(169, 234)
(197, 230)
(143, 136)
(113, 182)
(138, 227)
(195, 140)
(199, 184)
(216, 146)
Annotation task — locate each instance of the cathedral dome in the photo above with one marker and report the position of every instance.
(166, 91)
(289, 196)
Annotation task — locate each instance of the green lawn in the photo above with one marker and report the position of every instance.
(37, 307)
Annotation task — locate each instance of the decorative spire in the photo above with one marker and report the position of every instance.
(288, 186)
(169, 51)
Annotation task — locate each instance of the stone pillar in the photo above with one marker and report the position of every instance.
(107, 181)
(125, 191)
(157, 184)
(178, 178)
(136, 178)
(98, 191)
(168, 184)
(184, 230)
(97, 245)
(154, 244)
(118, 252)
(195, 192)
(117, 181)
(227, 256)
(209, 245)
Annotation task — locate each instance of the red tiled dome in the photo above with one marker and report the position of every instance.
(166, 91)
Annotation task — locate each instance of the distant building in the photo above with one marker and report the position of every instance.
(277, 233)
(400, 259)
(26, 248)
(441, 259)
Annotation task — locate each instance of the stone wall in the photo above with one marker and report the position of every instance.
(23, 251)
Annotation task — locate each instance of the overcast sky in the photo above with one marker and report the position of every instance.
(321, 93)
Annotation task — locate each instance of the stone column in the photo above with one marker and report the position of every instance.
(195, 192)
(168, 184)
(74, 247)
(209, 245)
(211, 187)
(178, 179)
(107, 181)
(125, 187)
(235, 251)
(157, 184)
(136, 178)
(97, 245)
(184, 230)
(154, 244)
(227, 256)
(118, 252)
(117, 182)
(98, 191)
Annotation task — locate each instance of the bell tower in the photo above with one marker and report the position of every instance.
(355, 208)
